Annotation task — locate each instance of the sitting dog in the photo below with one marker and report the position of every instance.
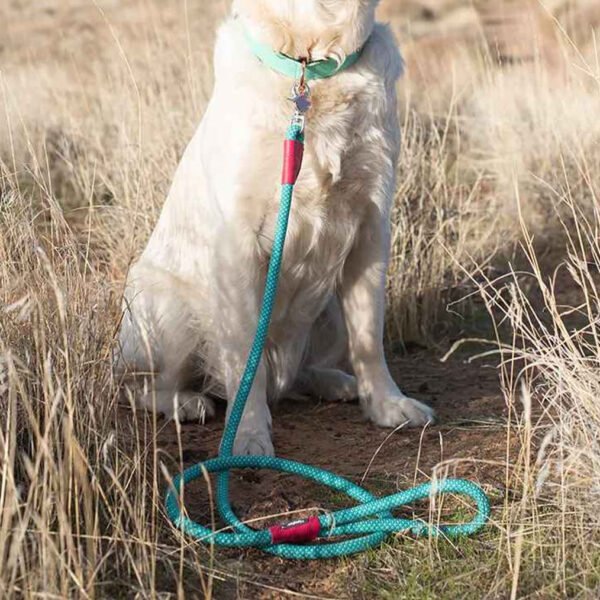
(192, 301)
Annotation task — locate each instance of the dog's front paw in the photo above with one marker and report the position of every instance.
(398, 410)
(253, 443)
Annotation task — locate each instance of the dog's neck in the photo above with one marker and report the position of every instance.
(312, 29)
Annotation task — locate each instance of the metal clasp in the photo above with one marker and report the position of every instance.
(299, 119)
(302, 85)
(301, 95)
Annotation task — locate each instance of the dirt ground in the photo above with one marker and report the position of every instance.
(469, 440)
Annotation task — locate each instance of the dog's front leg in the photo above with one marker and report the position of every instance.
(238, 291)
(363, 301)
(254, 435)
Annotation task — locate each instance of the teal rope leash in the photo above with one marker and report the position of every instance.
(371, 521)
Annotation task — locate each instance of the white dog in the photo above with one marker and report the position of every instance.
(193, 298)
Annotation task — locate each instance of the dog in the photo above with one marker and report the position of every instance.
(192, 300)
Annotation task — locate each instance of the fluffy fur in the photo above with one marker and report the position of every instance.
(193, 298)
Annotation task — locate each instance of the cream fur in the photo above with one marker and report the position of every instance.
(192, 299)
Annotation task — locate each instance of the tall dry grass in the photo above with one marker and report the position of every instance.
(498, 189)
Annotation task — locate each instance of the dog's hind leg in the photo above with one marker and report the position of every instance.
(328, 384)
(324, 373)
(157, 340)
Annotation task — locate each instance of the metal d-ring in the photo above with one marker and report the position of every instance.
(301, 91)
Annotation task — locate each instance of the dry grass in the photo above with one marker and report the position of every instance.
(498, 203)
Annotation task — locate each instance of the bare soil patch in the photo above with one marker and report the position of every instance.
(469, 440)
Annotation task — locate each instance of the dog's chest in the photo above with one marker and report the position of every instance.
(326, 210)
(322, 231)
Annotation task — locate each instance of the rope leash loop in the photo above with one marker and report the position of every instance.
(354, 521)
(371, 521)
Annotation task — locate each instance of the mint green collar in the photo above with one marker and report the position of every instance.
(292, 68)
